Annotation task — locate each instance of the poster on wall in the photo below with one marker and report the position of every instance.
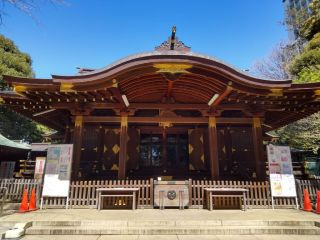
(58, 171)
(282, 180)
(39, 168)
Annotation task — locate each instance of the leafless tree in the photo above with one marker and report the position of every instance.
(275, 65)
(26, 6)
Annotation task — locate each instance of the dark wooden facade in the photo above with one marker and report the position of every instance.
(169, 113)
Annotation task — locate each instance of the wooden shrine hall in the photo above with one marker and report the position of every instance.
(170, 112)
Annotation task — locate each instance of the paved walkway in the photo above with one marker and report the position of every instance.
(164, 215)
(156, 215)
(171, 237)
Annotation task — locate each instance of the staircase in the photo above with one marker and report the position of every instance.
(181, 227)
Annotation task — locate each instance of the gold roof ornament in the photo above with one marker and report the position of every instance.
(276, 92)
(19, 89)
(317, 92)
(172, 68)
(66, 87)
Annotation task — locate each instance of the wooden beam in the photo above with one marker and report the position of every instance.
(123, 147)
(258, 148)
(222, 96)
(182, 120)
(213, 148)
(115, 92)
(77, 142)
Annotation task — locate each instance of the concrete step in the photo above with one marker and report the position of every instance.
(173, 223)
(169, 230)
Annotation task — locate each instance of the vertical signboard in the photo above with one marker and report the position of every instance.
(39, 168)
(57, 171)
(282, 180)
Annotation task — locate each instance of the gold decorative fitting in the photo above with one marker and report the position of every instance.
(190, 148)
(66, 87)
(172, 68)
(256, 122)
(19, 89)
(114, 83)
(212, 122)
(317, 92)
(116, 149)
(114, 167)
(78, 121)
(1, 100)
(165, 124)
(276, 92)
(124, 121)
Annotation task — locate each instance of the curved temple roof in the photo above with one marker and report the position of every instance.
(178, 79)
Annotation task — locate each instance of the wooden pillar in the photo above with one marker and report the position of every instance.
(213, 148)
(258, 147)
(67, 135)
(164, 150)
(77, 142)
(100, 149)
(123, 147)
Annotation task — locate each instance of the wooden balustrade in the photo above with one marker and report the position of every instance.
(15, 188)
(82, 194)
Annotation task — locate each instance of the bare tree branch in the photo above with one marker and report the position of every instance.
(26, 6)
(275, 66)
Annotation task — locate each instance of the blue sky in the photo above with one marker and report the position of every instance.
(95, 33)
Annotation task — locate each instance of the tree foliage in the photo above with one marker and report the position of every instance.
(312, 24)
(15, 63)
(305, 24)
(306, 65)
(305, 68)
(303, 134)
(12, 61)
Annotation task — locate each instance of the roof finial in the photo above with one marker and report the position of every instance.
(173, 43)
(173, 37)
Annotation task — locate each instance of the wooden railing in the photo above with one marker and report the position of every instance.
(15, 188)
(83, 193)
(258, 196)
(311, 185)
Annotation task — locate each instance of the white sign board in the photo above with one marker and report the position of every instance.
(282, 180)
(57, 171)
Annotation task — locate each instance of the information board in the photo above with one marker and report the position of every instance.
(39, 168)
(57, 171)
(282, 180)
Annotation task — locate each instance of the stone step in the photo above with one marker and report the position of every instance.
(169, 230)
(209, 223)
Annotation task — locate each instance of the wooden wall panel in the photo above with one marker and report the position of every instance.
(133, 149)
(89, 149)
(111, 149)
(196, 149)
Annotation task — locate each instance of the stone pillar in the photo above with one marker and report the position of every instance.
(258, 148)
(213, 148)
(123, 147)
(77, 142)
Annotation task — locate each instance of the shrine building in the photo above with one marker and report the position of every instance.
(170, 112)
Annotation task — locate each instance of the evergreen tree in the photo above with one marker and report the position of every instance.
(15, 63)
